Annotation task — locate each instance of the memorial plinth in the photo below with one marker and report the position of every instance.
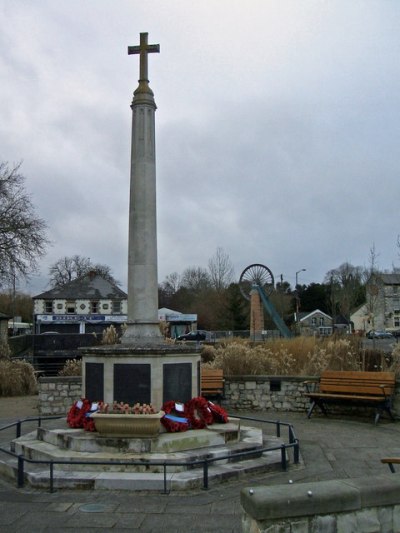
(145, 374)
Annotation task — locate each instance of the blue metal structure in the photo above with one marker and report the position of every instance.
(268, 306)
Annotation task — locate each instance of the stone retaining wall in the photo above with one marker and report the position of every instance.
(334, 506)
(57, 394)
(279, 393)
(247, 393)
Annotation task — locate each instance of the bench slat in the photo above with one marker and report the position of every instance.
(342, 385)
(212, 382)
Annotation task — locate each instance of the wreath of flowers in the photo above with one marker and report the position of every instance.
(79, 415)
(219, 414)
(198, 413)
(173, 421)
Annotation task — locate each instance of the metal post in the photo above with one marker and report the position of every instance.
(18, 430)
(296, 453)
(51, 477)
(165, 478)
(278, 428)
(205, 475)
(20, 477)
(283, 457)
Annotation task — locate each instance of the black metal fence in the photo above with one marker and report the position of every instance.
(292, 445)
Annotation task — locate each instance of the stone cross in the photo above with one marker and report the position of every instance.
(143, 49)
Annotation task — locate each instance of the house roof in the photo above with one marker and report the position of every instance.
(390, 279)
(303, 316)
(3, 316)
(91, 286)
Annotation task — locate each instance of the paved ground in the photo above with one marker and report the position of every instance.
(330, 447)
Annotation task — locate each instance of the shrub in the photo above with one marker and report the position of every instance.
(17, 378)
(72, 367)
(110, 336)
(298, 356)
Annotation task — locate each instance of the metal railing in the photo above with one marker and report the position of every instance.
(292, 444)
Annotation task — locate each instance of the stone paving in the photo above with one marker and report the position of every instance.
(331, 448)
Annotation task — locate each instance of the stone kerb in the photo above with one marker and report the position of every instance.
(361, 504)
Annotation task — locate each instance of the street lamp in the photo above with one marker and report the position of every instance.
(297, 294)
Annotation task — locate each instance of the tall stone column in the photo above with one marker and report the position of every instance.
(143, 324)
(142, 368)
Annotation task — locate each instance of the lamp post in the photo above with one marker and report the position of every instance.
(297, 296)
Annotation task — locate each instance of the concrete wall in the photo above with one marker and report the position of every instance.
(334, 506)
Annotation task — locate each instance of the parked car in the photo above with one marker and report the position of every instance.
(378, 334)
(197, 335)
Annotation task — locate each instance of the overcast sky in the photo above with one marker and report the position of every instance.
(277, 128)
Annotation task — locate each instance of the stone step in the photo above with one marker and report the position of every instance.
(39, 477)
(42, 450)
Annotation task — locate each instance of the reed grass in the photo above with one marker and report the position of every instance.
(17, 378)
(300, 356)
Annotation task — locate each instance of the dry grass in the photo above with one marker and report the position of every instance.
(72, 367)
(300, 356)
(17, 378)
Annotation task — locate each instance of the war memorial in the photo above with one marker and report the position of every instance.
(146, 369)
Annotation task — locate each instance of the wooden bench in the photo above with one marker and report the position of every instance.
(212, 382)
(373, 389)
(390, 461)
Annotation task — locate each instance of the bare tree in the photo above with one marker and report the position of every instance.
(22, 233)
(195, 279)
(67, 269)
(221, 270)
(373, 287)
(346, 288)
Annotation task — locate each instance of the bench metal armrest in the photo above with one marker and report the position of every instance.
(390, 461)
(311, 386)
(383, 387)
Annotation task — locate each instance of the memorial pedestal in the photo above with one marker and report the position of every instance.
(145, 374)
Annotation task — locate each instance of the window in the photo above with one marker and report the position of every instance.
(313, 321)
(396, 304)
(116, 306)
(48, 306)
(70, 308)
(321, 321)
(396, 322)
(94, 307)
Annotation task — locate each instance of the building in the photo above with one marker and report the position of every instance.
(314, 323)
(85, 305)
(382, 308)
(177, 323)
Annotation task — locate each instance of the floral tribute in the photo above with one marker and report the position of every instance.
(122, 408)
(79, 415)
(174, 419)
(197, 413)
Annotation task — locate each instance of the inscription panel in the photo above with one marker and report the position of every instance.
(132, 383)
(94, 381)
(177, 382)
